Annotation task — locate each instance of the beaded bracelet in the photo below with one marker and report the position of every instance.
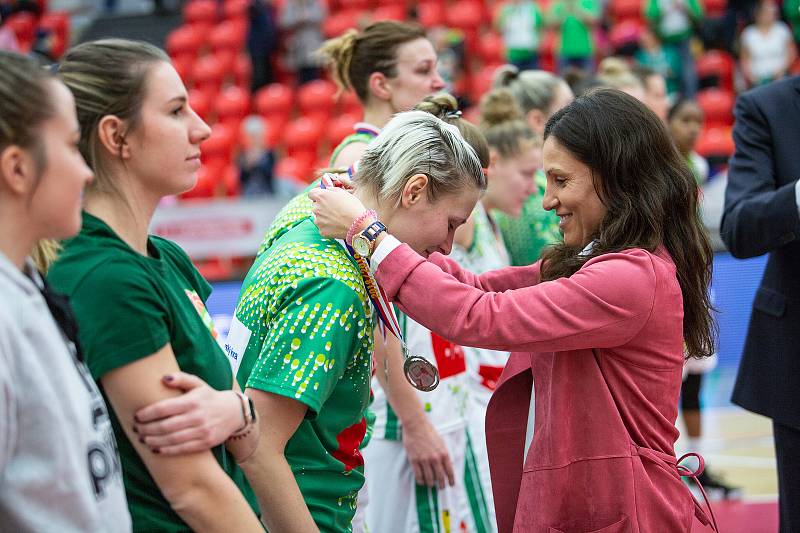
(355, 227)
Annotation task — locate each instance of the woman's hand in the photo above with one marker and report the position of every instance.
(196, 421)
(335, 210)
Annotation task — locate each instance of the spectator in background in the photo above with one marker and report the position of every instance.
(262, 41)
(674, 22)
(685, 121)
(791, 12)
(575, 20)
(767, 49)
(663, 60)
(520, 23)
(303, 20)
(615, 73)
(450, 48)
(256, 161)
(655, 90)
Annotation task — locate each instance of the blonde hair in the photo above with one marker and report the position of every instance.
(416, 142)
(445, 107)
(45, 254)
(107, 77)
(533, 89)
(502, 123)
(615, 73)
(354, 56)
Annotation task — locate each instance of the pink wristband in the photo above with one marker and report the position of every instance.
(355, 227)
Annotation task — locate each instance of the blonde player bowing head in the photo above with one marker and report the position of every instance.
(301, 340)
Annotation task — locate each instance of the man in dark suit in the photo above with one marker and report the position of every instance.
(762, 216)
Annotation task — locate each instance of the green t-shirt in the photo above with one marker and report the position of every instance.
(577, 40)
(535, 228)
(128, 307)
(303, 329)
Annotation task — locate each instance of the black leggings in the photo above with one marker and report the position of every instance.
(690, 392)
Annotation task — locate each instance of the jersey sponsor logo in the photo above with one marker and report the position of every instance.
(236, 343)
(200, 307)
(449, 357)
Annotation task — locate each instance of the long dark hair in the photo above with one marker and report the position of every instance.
(651, 196)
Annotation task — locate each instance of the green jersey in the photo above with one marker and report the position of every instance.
(303, 329)
(535, 228)
(577, 40)
(130, 306)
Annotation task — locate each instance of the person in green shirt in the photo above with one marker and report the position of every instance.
(575, 21)
(301, 338)
(139, 302)
(539, 95)
(520, 22)
(673, 21)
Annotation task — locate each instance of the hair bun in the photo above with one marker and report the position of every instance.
(505, 75)
(442, 105)
(499, 106)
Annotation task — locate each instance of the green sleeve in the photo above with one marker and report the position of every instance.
(122, 316)
(791, 10)
(695, 10)
(538, 18)
(652, 11)
(592, 7)
(318, 326)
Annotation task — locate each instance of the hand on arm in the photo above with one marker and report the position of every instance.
(195, 486)
(197, 420)
(426, 450)
(268, 471)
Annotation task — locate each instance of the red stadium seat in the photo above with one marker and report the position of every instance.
(231, 186)
(232, 105)
(350, 104)
(340, 22)
(208, 73)
(481, 82)
(625, 34)
(431, 13)
(207, 177)
(317, 97)
(339, 128)
(57, 23)
(717, 106)
(294, 170)
(621, 10)
(220, 145)
(274, 101)
(714, 8)
(184, 40)
(302, 136)
(236, 9)
(716, 145)
(202, 11)
(243, 71)
(353, 4)
(23, 24)
(491, 49)
(389, 12)
(465, 15)
(228, 35)
(547, 57)
(715, 69)
(201, 102)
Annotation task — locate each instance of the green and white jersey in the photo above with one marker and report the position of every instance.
(303, 329)
(446, 405)
(487, 252)
(535, 228)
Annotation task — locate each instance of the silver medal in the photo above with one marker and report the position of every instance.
(421, 373)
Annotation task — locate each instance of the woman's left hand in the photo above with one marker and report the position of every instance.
(335, 209)
(198, 420)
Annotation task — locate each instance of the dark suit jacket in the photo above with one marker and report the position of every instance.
(761, 217)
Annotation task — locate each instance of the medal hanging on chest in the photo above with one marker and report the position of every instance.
(420, 372)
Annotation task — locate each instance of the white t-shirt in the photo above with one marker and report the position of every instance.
(769, 52)
(59, 467)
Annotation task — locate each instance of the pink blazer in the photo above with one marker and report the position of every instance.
(605, 350)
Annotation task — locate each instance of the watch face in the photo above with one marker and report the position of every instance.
(361, 245)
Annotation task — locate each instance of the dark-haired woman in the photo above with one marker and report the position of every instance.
(599, 323)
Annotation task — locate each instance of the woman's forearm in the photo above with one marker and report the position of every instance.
(283, 509)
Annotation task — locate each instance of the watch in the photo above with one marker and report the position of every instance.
(364, 242)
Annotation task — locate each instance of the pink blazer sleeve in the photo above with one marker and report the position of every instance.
(494, 280)
(602, 305)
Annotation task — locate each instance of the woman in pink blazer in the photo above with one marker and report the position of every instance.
(599, 325)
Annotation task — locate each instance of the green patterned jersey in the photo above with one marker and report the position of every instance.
(303, 329)
(535, 228)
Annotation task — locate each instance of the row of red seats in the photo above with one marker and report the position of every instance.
(25, 25)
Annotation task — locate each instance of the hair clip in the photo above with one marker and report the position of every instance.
(453, 114)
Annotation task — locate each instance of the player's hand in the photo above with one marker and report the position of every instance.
(428, 455)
